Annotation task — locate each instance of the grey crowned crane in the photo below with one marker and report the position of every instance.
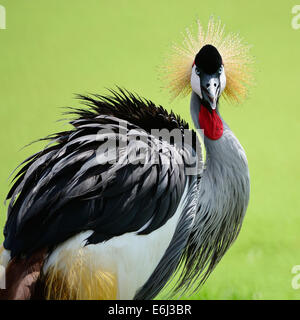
(111, 209)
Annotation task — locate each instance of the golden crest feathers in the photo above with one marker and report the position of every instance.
(235, 55)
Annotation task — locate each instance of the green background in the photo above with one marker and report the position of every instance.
(53, 49)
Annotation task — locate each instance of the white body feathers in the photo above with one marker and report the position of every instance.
(131, 257)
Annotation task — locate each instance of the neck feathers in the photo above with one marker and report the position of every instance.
(222, 201)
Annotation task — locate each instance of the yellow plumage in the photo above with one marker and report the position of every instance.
(235, 54)
(79, 279)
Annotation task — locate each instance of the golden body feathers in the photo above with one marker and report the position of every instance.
(79, 279)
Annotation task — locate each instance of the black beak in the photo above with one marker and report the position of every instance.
(210, 88)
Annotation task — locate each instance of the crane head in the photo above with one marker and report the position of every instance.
(201, 62)
(208, 77)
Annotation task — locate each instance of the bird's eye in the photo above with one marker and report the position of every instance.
(197, 71)
(220, 70)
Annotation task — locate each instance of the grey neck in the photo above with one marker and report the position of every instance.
(222, 200)
(226, 166)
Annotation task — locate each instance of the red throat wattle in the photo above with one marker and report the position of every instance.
(210, 123)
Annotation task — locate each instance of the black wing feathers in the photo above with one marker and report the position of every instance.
(68, 188)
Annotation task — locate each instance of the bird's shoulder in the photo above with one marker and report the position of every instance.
(99, 176)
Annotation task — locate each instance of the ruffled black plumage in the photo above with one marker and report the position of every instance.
(65, 189)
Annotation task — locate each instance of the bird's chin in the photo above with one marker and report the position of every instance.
(207, 104)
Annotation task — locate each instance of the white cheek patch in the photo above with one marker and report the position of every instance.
(222, 81)
(195, 82)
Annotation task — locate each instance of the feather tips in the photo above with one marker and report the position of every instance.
(67, 188)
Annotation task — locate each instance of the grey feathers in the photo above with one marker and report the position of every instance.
(111, 175)
(87, 179)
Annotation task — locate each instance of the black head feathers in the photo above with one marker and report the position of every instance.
(208, 59)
